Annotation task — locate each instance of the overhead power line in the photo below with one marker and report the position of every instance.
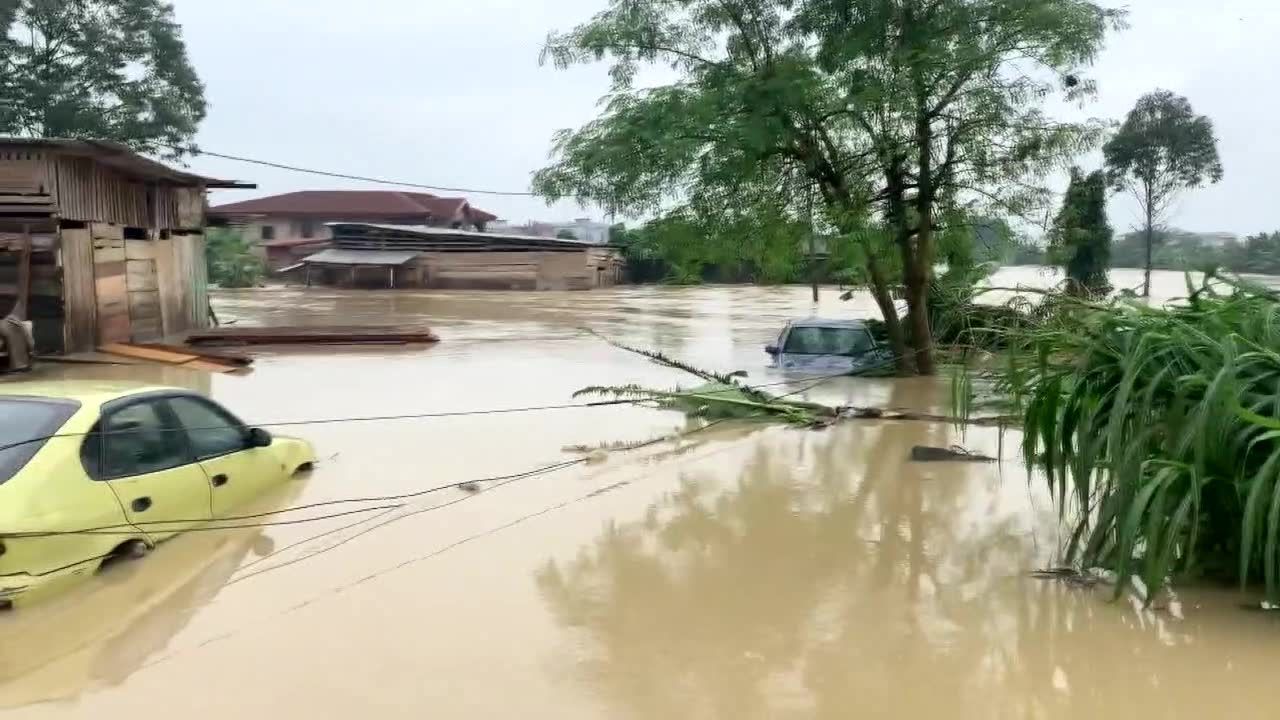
(132, 527)
(414, 416)
(348, 176)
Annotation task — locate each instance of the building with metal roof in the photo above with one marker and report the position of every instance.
(279, 224)
(108, 244)
(396, 256)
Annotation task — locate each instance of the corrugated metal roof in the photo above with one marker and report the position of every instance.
(361, 257)
(122, 158)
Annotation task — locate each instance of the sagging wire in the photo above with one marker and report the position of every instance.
(120, 529)
(422, 511)
(161, 525)
(410, 416)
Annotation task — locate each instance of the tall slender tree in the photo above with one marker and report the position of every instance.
(901, 110)
(1162, 149)
(109, 69)
(1081, 234)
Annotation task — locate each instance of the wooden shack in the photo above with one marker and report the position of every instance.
(394, 256)
(117, 240)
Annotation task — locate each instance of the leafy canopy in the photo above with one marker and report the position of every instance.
(895, 112)
(1162, 148)
(108, 69)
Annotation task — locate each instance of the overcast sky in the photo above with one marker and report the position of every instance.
(450, 92)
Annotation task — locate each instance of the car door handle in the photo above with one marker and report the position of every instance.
(219, 480)
(141, 504)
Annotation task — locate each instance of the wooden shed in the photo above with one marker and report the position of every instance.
(117, 240)
(394, 256)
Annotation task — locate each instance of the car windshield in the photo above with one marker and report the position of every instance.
(25, 424)
(810, 340)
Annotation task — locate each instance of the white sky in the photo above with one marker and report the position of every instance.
(451, 93)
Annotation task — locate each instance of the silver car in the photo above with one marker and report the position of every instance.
(818, 345)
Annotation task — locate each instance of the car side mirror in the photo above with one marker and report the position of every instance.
(771, 349)
(258, 437)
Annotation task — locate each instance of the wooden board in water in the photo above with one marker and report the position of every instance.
(319, 335)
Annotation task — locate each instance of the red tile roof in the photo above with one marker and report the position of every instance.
(357, 205)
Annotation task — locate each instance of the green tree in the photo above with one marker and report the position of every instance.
(230, 259)
(1162, 149)
(566, 235)
(1081, 235)
(899, 110)
(107, 69)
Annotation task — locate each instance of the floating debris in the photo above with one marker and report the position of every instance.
(317, 335)
(1068, 576)
(955, 453)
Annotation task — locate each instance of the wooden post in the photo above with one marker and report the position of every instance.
(813, 244)
(19, 311)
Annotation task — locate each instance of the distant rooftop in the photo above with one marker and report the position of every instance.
(358, 205)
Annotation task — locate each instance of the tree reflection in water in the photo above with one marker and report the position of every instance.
(833, 578)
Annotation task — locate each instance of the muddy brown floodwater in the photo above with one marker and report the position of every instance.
(746, 572)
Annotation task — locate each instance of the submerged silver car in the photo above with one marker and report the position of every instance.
(829, 346)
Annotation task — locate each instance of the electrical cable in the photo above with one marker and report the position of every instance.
(347, 176)
(410, 416)
(648, 443)
(119, 529)
(414, 513)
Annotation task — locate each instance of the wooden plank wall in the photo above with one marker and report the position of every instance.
(24, 170)
(606, 265)
(190, 274)
(111, 284)
(189, 208)
(90, 191)
(44, 306)
(87, 191)
(198, 276)
(564, 271)
(144, 290)
(481, 270)
(171, 291)
(181, 282)
(79, 291)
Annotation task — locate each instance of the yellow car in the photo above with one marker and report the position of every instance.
(90, 472)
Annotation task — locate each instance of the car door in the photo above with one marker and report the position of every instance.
(140, 451)
(237, 472)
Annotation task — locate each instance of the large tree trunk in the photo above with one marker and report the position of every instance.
(917, 282)
(837, 198)
(902, 356)
(1151, 232)
(917, 258)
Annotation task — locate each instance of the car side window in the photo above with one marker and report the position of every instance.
(211, 430)
(136, 439)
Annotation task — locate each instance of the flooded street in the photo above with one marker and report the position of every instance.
(747, 571)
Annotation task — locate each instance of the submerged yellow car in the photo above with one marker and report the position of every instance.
(91, 472)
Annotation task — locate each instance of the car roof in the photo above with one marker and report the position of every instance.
(87, 392)
(829, 322)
